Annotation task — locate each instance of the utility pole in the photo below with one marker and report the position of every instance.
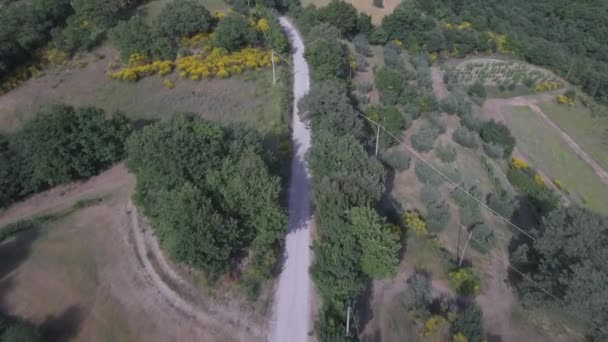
(274, 77)
(377, 138)
(465, 249)
(348, 321)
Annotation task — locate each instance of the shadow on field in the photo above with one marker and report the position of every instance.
(64, 326)
(14, 251)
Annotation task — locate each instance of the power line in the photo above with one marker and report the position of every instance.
(458, 186)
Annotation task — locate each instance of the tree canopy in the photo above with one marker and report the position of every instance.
(211, 194)
(182, 18)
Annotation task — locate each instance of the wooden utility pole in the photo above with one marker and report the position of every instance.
(377, 138)
(465, 248)
(348, 321)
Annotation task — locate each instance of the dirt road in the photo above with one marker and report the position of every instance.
(497, 106)
(292, 302)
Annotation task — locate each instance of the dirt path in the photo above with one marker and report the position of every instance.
(438, 86)
(292, 311)
(499, 106)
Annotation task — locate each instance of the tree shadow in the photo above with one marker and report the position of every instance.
(17, 248)
(365, 312)
(64, 326)
(376, 336)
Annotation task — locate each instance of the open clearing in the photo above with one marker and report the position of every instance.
(588, 131)
(95, 284)
(365, 6)
(248, 98)
(547, 150)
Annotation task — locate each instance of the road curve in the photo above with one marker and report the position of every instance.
(292, 301)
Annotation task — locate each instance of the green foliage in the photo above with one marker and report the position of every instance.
(477, 90)
(210, 194)
(390, 84)
(378, 3)
(469, 323)
(424, 139)
(493, 150)
(483, 238)
(499, 134)
(418, 295)
(502, 203)
(446, 153)
(136, 36)
(341, 15)
(182, 18)
(233, 32)
(437, 120)
(379, 246)
(60, 144)
(327, 58)
(464, 280)
(397, 159)
(524, 179)
(362, 45)
(429, 194)
(22, 332)
(568, 259)
(437, 217)
(394, 122)
(427, 175)
(466, 138)
(408, 24)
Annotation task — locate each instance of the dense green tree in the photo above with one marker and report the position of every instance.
(327, 58)
(22, 332)
(379, 246)
(498, 133)
(390, 84)
(210, 194)
(466, 138)
(136, 36)
(182, 18)
(418, 295)
(469, 323)
(342, 15)
(233, 32)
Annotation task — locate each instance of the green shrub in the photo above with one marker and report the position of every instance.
(362, 45)
(378, 3)
(499, 134)
(437, 120)
(469, 323)
(183, 18)
(397, 159)
(494, 150)
(233, 32)
(136, 36)
(394, 122)
(540, 195)
(470, 215)
(463, 280)
(326, 57)
(446, 153)
(392, 56)
(452, 172)
(501, 203)
(364, 87)
(478, 90)
(429, 194)
(22, 332)
(427, 175)
(418, 296)
(438, 216)
(342, 15)
(424, 139)
(390, 83)
(466, 138)
(483, 238)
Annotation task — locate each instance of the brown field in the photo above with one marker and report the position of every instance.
(365, 6)
(82, 276)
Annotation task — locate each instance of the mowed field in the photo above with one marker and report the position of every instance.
(249, 98)
(365, 6)
(591, 133)
(547, 151)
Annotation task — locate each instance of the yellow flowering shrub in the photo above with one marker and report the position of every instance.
(168, 84)
(558, 183)
(218, 62)
(55, 57)
(199, 40)
(565, 100)
(501, 42)
(415, 223)
(398, 43)
(464, 281)
(546, 86)
(460, 338)
(262, 25)
(519, 163)
(434, 57)
(436, 325)
(138, 69)
(465, 25)
(539, 179)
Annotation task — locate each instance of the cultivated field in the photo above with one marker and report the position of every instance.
(588, 131)
(546, 150)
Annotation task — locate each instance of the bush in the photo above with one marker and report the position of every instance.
(418, 295)
(424, 139)
(469, 323)
(470, 215)
(21, 332)
(378, 3)
(427, 175)
(135, 36)
(524, 178)
(466, 138)
(327, 58)
(390, 84)
(361, 62)
(394, 123)
(437, 120)
(233, 32)
(364, 87)
(445, 153)
(499, 134)
(429, 194)
(342, 15)
(502, 203)
(392, 56)
(494, 150)
(397, 159)
(464, 280)
(362, 45)
(438, 216)
(483, 238)
(471, 122)
(183, 18)
(478, 90)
